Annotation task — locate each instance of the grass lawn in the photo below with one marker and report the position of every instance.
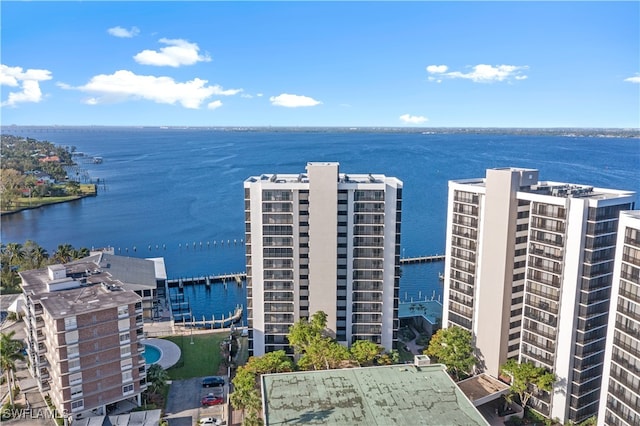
(202, 358)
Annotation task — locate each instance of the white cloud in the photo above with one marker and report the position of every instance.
(634, 79)
(178, 52)
(413, 119)
(218, 90)
(246, 95)
(260, 95)
(123, 32)
(214, 104)
(437, 69)
(481, 73)
(28, 81)
(293, 101)
(124, 85)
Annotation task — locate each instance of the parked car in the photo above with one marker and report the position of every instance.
(212, 400)
(209, 421)
(212, 381)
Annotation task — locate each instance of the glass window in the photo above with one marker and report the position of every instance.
(125, 350)
(70, 323)
(127, 389)
(74, 364)
(77, 405)
(75, 378)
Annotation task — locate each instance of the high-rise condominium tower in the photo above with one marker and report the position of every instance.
(322, 241)
(529, 270)
(620, 397)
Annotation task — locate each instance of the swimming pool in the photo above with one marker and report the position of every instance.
(151, 354)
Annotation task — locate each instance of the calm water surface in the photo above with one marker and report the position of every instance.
(177, 193)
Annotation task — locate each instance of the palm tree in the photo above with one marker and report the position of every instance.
(39, 256)
(15, 253)
(81, 253)
(35, 255)
(157, 376)
(9, 352)
(63, 254)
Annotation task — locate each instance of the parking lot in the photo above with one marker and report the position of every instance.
(184, 407)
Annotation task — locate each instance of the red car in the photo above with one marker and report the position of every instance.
(212, 400)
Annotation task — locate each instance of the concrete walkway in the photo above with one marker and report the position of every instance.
(169, 352)
(411, 345)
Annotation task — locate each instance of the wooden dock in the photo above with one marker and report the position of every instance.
(422, 259)
(188, 320)
(238, 278)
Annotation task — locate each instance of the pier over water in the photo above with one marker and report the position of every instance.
(422, 259)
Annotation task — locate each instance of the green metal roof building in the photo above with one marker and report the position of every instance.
(387, 395)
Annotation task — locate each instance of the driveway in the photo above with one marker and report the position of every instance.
(183, 402)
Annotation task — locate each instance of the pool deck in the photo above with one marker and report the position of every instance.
(169, 352)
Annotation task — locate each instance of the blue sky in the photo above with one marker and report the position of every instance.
(431, 64)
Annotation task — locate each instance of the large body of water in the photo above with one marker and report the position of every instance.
(178, 193)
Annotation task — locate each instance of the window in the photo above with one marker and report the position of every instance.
(74, 364)
(73, 351)
(124, 324)
(123, 311)
(127, 376)
(70, 323)
(71, 337)
(125, 338)
(125, 350)
(76, 391)
(77, 405)
(126, 364)
(127, 389)
(75, 378)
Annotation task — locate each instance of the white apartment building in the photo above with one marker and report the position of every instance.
(620, 396)
(528, 270)
(322, 241)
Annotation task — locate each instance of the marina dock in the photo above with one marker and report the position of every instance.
(422, 259)
(238, 278)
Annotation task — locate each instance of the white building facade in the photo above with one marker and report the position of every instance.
(620, 397)
(322, 241)
(528, 271)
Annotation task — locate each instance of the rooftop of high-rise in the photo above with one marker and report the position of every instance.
(531, 184)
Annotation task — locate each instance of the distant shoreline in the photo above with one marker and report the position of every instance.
(520, 131)
(38, 206)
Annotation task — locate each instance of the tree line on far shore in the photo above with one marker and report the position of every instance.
(22, 159)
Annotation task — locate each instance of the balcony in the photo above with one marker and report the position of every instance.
(545, 360)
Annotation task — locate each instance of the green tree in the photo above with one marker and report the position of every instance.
(310, 342)
(365, 352)
(35, 256)
(10, 352)
(157, 376)
(15, 254)
(526, 379)
(271, 362)
(80, 253)
(64, 253)
(452, 347)
(72, 187)
(246, 396)
(11, 183)
(304, 333)
(324, 354)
